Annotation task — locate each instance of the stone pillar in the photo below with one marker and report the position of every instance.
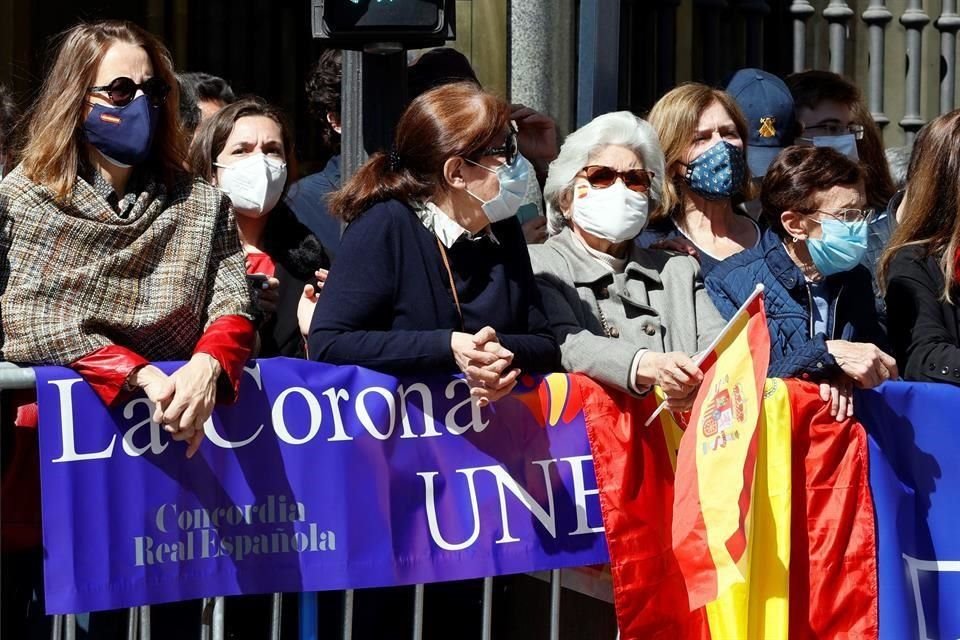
(877, 16)
(838, 13)
(947, 24)
(914, 19)
(543, 45)
(801, 10)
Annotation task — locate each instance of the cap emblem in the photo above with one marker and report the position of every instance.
(767, 128)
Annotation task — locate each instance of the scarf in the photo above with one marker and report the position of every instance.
(77, 277)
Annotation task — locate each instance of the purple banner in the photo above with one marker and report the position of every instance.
(319, 478)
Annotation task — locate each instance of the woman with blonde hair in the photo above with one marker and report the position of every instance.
(921, 266)
(702, 133)
(626, 316)
(116, 257)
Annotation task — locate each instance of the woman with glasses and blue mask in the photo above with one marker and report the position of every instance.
(831, 113)
(702, 133)
(626, 316)
(432, 275)
(823, 324)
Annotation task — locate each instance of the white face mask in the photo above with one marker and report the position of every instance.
(845, 144)
(254, 184)
(615, 213)
(513, 188)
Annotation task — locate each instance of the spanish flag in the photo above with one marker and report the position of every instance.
(793, 529)
(712, 515)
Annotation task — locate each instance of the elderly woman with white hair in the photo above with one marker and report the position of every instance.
(626, 316)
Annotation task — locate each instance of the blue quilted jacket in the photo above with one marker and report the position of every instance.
(795, 352)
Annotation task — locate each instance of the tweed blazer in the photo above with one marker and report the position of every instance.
(657, 303)
(76, 277)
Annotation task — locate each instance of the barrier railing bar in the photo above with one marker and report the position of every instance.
(14, 377)
(555, 604)
(486, 627)
(348, 614)
(133, 617)
(145, 622)
(418, 612)
(218, 618)
(206, 618)
(56, 629)
(70, 627)
(275, 613)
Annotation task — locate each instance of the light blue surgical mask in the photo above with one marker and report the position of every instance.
(841, 247)
(514, 179)
(845, 144)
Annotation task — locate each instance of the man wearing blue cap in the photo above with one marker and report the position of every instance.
(768, 107)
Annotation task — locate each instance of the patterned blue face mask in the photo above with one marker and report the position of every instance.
(841, 248)
(718, 172)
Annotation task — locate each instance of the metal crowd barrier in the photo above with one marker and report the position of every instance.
(213, 617)
(213, 614)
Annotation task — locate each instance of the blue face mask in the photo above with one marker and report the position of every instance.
(841, 248)
(122, 134)
(717, 173)
(514, 180)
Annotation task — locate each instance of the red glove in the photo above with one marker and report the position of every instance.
(107, 370)
(229, 339)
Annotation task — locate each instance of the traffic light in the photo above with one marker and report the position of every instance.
(352, 24)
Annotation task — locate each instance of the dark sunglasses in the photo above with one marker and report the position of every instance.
(601, 177)
(508, 150)
(122, 91)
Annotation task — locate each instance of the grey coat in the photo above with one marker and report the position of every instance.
(657, 303)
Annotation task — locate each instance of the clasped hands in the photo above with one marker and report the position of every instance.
(485, 363)
(184, 400)
(863, 365)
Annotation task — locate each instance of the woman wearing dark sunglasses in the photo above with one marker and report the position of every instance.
(117, 257)
(432, 275)
(626, 316)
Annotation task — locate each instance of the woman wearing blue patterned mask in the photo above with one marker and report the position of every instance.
(819, 301)
(702, 133)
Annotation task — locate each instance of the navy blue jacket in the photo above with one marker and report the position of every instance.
(387, 303)
(307, 198)
(794, 349)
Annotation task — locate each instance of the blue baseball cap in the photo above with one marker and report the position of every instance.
(768, 107)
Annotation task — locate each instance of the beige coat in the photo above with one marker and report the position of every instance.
(657, 303)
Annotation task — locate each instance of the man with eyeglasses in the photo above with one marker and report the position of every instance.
(831, 113)
(819, 300)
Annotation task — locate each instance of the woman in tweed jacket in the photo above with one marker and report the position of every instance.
(626, 316)
(113, 256)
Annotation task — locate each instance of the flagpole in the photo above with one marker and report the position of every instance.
(758, 290)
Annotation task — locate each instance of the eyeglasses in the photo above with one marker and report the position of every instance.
(832, 129)
(601, 177)
(849, 216)
(122, 90)
(508, 150)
